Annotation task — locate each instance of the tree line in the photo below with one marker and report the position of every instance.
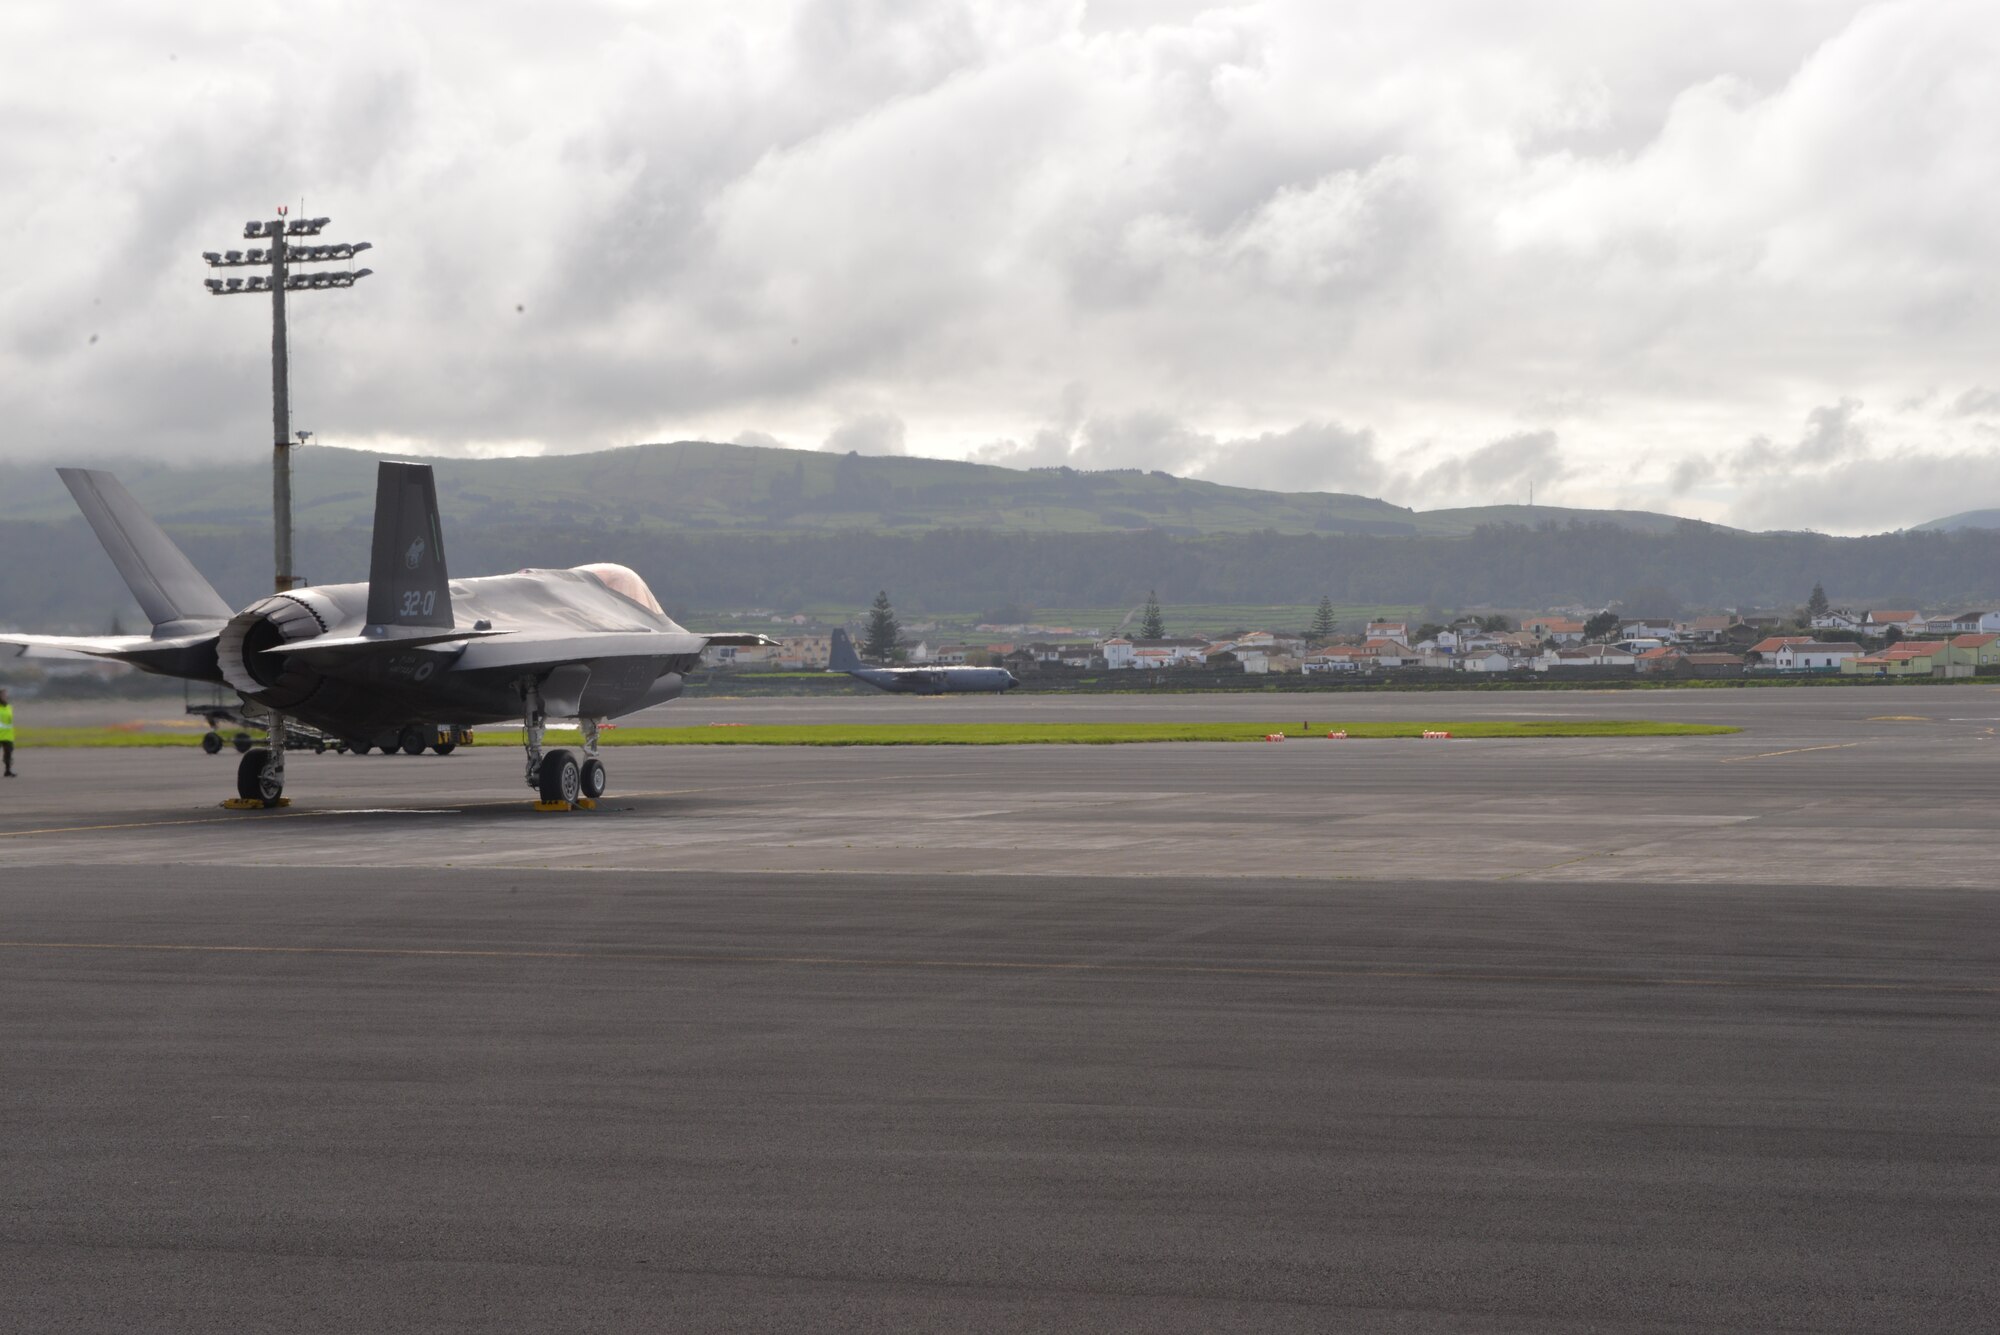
(56, 575)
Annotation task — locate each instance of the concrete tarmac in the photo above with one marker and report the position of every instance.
(1259, 1037)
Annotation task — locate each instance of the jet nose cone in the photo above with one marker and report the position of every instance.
(1012, 681)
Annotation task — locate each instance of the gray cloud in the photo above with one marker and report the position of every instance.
(662, 222)
(1831, 433)
(1313, 456)
(1869, 495)
(1493, 474)
(871, 433)
(1977, 402)
(1690, 473)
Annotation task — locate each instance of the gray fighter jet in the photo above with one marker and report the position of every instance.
(407, 653)
(917, 680)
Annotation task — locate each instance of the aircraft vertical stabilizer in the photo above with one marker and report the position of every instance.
(842, 657)
(407, 583)
(172, 593)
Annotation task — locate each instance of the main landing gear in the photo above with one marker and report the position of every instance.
(562, 779)
(260, 774)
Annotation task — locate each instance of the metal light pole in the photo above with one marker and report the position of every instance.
(280, 255)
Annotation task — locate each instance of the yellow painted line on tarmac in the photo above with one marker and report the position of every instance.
(1900, 718)
(1795, 751)
(1072, 967)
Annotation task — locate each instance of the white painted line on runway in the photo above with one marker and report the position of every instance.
(1795, 751)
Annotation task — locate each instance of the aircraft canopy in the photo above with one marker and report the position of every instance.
(624, 580)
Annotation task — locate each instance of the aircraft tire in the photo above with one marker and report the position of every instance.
(241, 742)
(591, 779)
(444, 748)
(560, 778)
(211, 742)
(415, 738)
(358, 748)
(254, 780)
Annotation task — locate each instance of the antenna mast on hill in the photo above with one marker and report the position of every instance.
(280, 255)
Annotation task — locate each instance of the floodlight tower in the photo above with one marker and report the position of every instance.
(279, 254)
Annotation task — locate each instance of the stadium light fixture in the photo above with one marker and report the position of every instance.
(279, 257)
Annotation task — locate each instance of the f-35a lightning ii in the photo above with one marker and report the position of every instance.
(410, 649)
(917, 680)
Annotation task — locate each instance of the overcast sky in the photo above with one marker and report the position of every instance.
(1729, 258)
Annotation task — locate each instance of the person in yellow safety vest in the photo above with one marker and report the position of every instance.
(7, 733)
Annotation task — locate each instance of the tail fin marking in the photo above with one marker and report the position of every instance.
(407, 583)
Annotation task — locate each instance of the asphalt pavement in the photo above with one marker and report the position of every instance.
(1605, 1035)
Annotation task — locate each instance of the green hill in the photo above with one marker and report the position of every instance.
(692, 486)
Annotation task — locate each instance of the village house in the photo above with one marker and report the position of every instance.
(1585, 656)
(1120, 653)
(1391, 653)
(1387, 630)
(796, 652)
(738, 655)
(1761, 652)
(1908, 621)
(1911, 658)
(1706, 629)
(1483, 660)
(1964, 623)
(1812, 656)
(1061, 655)
(1836, 618)
(1561, 630)
(1660, 658)
(1340, 658)
(1646, 628)
(1976, 651)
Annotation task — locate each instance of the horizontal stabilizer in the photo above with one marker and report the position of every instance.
(743, 640)
(191, 657)
(73, 647)
(168, 588)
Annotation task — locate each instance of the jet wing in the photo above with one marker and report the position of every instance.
(552, 648)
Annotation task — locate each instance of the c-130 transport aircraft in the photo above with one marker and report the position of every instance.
(410, 648)
(917, 680)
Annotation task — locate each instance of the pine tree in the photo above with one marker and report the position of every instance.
(1817, 605)
(880, 641)
(1322, 627)
(1152, 626)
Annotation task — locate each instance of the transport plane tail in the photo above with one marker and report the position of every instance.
(841, 657)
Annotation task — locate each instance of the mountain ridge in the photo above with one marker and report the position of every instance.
(707, 486)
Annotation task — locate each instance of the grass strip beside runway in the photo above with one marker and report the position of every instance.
(1102, 734)
(30, 739)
